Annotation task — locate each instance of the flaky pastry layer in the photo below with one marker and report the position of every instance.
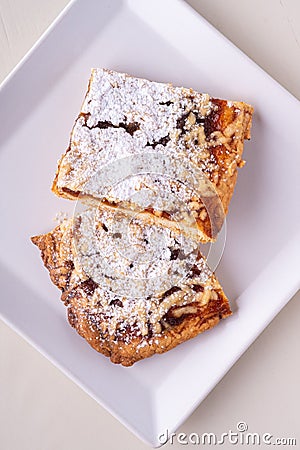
(90, 262)
(123, 117)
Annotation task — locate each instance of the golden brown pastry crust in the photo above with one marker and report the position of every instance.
(127, 347)
(209, 132)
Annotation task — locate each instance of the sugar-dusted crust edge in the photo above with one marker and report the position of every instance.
(129, 353)
(63, 275)
(225, 190)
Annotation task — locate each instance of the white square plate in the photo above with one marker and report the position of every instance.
(163, 41)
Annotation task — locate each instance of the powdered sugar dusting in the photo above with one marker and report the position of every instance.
(102, 133)
(135, 266)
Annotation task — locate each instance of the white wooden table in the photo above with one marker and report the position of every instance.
(40, 409)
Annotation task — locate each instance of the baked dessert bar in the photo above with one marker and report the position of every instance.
(131, 287)
(130, 121)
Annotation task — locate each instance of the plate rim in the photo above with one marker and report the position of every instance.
(7, 79)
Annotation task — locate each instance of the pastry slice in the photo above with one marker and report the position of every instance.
(132, 288)
(145, 146)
